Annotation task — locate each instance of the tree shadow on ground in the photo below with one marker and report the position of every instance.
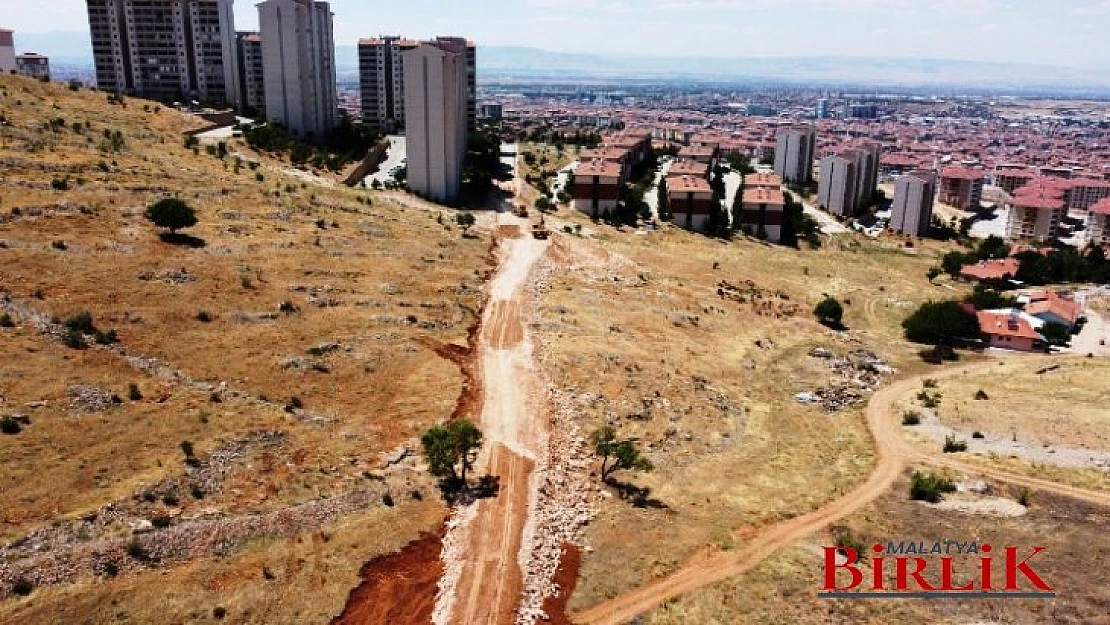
(638, 496)
(183, 240)
(458, 492)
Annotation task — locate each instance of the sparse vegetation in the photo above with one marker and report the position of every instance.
(930, 487)
(172, 214)
(616, 455)
(953, 446)
(451, 449)
(911, 418)
(829, 312)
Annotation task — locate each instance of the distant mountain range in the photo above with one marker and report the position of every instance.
(518, 62)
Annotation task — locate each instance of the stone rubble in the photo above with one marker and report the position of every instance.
(859, 374)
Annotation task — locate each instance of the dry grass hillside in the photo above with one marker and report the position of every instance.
(273, 369)
(697, 348)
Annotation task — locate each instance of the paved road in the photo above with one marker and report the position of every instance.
(825, 220)
(1095, 337)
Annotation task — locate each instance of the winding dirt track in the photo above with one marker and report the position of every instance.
(894, 454)
(490, 586)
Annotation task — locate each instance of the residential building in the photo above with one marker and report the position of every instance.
(490, 111)
(1098, 223)
(1010, 178)
(762, 212)
(961, 187)
(912, 209)
(867, 182)
(7, 51)
(991, 270)
(436, 116)
(597, 186)
(298, 66)
(1083, 193)
(636, 142)
(1036, 211)
(1009, 331)
(382, 80)
(166, 49)
(683, 167)
(1052, 307)
(836, 192)
(794, 151)
(691, 201)
(698, 154)
(762, 181)
(33, 65)
(252, 81)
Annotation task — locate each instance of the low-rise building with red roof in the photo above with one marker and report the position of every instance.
(597, 186)
(691, 200)
(762, 213)
(1009, 330)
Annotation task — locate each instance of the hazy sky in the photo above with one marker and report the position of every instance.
(1064, 32)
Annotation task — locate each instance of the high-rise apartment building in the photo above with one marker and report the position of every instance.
(868, 181)
(251, 76)
(794, 155)
(382, 80)
(298, 65)
(912, 210)
(166, 49)
(7, 51)
(962, 187)
(436, 90)
(822, 109)
(836, 192)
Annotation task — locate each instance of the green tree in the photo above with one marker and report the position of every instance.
(1056, 334)
(953, 262)
(171, 213)
(941, 323)
(664, 201)
(617, 455)
(829, 312)
(738, 207)
(452, 449)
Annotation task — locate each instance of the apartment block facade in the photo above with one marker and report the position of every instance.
(691, 201)
(298, 65)
(166, 49)
(1098, 223)
(436, 116)
(1036, 211)
(836, 192)
(762, 212)
(962, 188)
(7, 51)
(912, 209)
(794, 151)
(251, 75)
(33, 65)
(382, 80)
(597, 186)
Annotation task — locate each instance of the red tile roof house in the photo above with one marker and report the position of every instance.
(1009, 331)
(989, 270)
(1052, 308)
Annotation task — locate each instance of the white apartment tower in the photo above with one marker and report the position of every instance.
(436, 116)
(166, 49)
(7, 52)
(912, 210)
(836, 192)
(298, 65)
(382, 80)
(794, 155)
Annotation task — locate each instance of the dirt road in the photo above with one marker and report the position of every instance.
(894, 454)
(489, 587)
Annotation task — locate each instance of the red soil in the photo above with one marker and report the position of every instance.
(399, 588)
(567, 578)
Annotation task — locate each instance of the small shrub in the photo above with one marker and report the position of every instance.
(259, 177)
(846, 540)
(187, 449)
(161, 522)
(170, 499)
(60, 184)
(245, 281)
(953, 446)
(106, 338)
(133, 392)
(978, 435)
(204, 317)
(387, 500)
(22, 587)
(417, 495)
(929, 383)
(295, 403)
(137, 552)
(81, 322)
(197, 492)
(930, 487)
(6, 321)
(1025, 497)
(219, 613)
(911, 418)
(110, 569)
(288, 308)
(982, 395)
(74, 339)
(10, 426)
(59, 245)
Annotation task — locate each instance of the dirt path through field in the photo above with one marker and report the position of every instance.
(489, 586)
(894, 453)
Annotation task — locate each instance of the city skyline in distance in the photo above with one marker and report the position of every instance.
(1017, 31)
